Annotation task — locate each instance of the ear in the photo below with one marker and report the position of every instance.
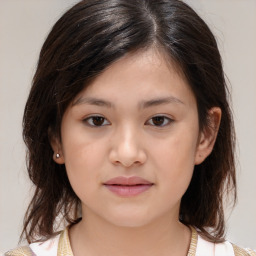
(58, 156)
(208, 135)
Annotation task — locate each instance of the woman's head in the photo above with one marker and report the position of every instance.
(87, 40)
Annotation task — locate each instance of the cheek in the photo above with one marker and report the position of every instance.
(83, 160)
(174, 158)
(81, 151)
(176, 151)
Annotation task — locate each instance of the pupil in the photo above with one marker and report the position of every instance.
(98, 120)
(158, 120)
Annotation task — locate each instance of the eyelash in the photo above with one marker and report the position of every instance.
(86, 120)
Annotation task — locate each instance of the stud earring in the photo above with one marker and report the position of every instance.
(57, 155)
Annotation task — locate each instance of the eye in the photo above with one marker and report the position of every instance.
(160, 121)
(96, 121)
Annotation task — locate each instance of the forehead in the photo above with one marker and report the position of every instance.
(138, 76)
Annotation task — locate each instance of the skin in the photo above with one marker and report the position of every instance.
(129, 141)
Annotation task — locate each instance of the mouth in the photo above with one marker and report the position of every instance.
(128, 186)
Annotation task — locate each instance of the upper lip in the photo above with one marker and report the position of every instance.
(128, 181)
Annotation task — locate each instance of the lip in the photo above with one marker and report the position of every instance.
(128, 181)
(128, 186)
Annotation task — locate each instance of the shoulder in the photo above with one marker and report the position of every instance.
(21, 251)
(241, 251)
(221, 249)
(49, 247)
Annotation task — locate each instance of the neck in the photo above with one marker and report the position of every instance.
(95, 236)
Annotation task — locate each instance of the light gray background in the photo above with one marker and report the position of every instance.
(24, 25)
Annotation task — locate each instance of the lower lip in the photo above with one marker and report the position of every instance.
(127, 191)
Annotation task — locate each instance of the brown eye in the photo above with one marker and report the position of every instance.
(160, 121)
(95, 121)
(98, 120)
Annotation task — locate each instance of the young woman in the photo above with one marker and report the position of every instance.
(129, 134)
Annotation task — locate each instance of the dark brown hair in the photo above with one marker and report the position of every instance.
(85, 40)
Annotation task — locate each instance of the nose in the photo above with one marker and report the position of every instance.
(127, 148)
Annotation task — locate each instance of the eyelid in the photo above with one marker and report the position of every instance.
(170, 120)
(85, 120)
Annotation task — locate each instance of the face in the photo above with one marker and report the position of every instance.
(130, 141)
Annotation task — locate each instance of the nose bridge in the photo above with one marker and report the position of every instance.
(127, 141)
(127, 147)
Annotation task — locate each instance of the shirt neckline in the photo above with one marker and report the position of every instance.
(64, 247)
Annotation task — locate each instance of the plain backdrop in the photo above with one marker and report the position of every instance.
(24, 24)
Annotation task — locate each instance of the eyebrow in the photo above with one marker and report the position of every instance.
(141, 105)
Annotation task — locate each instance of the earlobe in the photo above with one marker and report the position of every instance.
(58, 156)
(208, 135)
